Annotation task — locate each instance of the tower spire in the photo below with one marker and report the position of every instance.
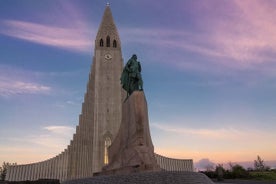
(107, 30)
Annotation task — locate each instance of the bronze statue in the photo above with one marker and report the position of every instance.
(131, 78)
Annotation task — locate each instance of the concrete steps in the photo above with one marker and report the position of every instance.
(161, 177)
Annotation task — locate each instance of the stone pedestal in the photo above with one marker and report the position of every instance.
(132, 149)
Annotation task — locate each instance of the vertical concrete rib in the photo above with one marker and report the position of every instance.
(27, 175)
(8, 173)
(47, 169)
(20, 173)
(23, 172)
(53, 168)
(32, 172)
(63, 166)
(44, 166)
(11, 175)
(14, 174)
(39, 170)
(60, 168)
(13, 178)
(20, 176)
(17, 173)
(57, 167)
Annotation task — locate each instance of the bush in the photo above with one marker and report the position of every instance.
(210, 174)
(239, 172)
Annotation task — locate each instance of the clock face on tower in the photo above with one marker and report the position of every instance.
(108, 56)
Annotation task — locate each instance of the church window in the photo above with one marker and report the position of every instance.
(108, 41)
(114, 43)
(101, 43)
(107, 143)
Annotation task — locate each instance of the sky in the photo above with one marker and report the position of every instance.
(208, 67)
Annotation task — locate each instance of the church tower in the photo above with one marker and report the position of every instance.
(102, 107)
(105, 86)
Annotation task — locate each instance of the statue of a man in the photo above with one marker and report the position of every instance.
(131, 78)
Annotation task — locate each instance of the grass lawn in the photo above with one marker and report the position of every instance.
(269, 175)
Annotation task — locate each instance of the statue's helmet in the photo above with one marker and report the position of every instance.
(134, 56)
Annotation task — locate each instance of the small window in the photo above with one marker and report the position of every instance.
(114, 43)
(107, 143)
(108, 41)
(101, 43)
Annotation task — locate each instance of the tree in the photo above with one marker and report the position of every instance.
(259, 164)
(236, 171)
(3, 170)
(220, 172)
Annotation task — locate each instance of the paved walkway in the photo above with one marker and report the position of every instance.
(162, 177)
(245, 182)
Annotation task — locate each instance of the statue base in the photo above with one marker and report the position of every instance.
(132, 149)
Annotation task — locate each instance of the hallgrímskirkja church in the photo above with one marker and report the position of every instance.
(99, 120)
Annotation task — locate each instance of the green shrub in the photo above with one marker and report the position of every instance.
(239, 172)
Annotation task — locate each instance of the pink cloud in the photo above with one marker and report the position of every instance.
(72, 38)
(247, 34)
(67, 29)
(9, 87)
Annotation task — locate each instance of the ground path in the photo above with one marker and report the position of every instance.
(245, 182)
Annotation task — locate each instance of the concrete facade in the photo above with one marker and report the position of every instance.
(99, 120)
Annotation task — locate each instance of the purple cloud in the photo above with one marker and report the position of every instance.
(61, 37)
(235, 35)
